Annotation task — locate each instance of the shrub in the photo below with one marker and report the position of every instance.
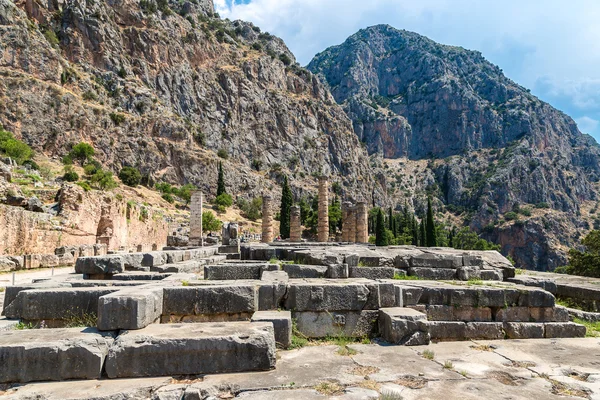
(285, 59)
(168, 197)
(511, 215)
(51, 37)
(130, 176)
(251, 210)
(104, 180)
(222, 153)
(14, 148)
(257, 46)
(91, 169)
(85, 186)
(210, 223)
(70, 175)
(224, 200)
(117, 118)
(82, 152)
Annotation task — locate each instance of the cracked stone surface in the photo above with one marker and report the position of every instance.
(507, 369)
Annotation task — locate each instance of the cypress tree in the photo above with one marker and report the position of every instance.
(422, 241)
(284, 213)
(390, 219)
(221, 181)
(414, 228)
(451, 238)
(430, 228)
(380, 234)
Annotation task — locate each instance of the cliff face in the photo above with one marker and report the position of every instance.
(409, 97)
(163, 87)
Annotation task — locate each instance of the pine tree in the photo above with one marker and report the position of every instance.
(221, 181)
(284, 213)
(422, 240)
(431, 238)
(380, 233)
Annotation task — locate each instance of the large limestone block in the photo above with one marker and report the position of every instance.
(447, 330)
(433, 273)
(192, 349)
(131, 308)
(180, 267)
(327, 297)
(154, 259)
(436, 260)
(372, 272)
(56, 304)
(233, 271)
(52, 354)
(399, 325)
(282, 325)
(407, 295)
(96, 265)
(524, 330)
(451, 313)
(272, 290)
(207, 300)
(319, 324)
(133, 262)
(305, 271)
(484, 330)
(531, 297)
(563, 330)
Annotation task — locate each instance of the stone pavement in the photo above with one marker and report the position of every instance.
(507, 369)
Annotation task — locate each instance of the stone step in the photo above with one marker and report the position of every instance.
(192, 349)
(400, 325)
(282, 325)
(237, 271)
(52, 354)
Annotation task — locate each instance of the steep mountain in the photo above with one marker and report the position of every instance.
(165, 86)
(495, 150)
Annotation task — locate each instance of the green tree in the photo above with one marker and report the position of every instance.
(130, 176)
(70, 175)
(284, 212)
(13, 148)
(422, 235)
(210, 223)
(185, 192)
(467, 239)
(431, 239)
(103, 180)
(390, 219)
(224, 200)
(221, 181)
(381, 238)
(82, 152)
(335, 215)
(587, 262)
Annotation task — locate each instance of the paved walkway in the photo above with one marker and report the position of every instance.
(504, 369)
(25, 276)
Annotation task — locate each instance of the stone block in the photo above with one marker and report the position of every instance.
(8, 264)
(282, 325)
(399, 325)
(436, 261)
(513, 314)
(447, 330)
(86, 250)
(295, 271)
(192, 349)
(327, 297)
(209, 300)
(174, 256)
(339, 271)
(433, 273)
(387, 294)
(535, 298)
(97, 265)
(49, 261)
(131, 308)
(466, 273)
(272, 290)
(234, 271)
(471, 260)
(180, 267)
(66, 260)
(55, 305)
(133, 262)
(491, 275)
(563, 330)
(484, 330)
(154, 259)
(372, 272)
(407, 295)
(450, 313)
(319, 324)
(52, 354)
(524, 330)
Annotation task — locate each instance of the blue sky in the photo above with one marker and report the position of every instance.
(549, 46)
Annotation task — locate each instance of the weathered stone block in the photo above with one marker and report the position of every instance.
(327, 297)
(450, 313)
(407, 295)
(192, 349)
(524, 330)
(372, 272)
(535, 298)
(318, 324)
(400, 325)
(466, 273)
(433, 273)
(484, 330)
(295, 271)
(174, 256)
(563, 330)
(491, 275)
(447, 330)
(180, 267)
(436, 261)
(133, 308)
(52, 354)
(282, 325)
(233, 271)
(339, 271)
(202, 300)
(513, 314)
(109, 264)
(154, 259)
(470, 260)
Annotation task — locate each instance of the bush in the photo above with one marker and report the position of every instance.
(210, 223)
(82, 152)
(168, 197)
(511, 215)
(91, 169)
(130, 176)
(285, 59)
(117, 118)
(222, 153)
(224, 200)
(585, 263)
(251, 210)
(70, 175)
(14, 148)
(85, 186)
(103, 180)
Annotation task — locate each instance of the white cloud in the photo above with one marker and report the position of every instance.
(587, 124)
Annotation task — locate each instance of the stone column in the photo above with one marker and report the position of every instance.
(352, 224)
(295, 226)
(323, 223)
(267, 220)
(362, 223)
(196, 219)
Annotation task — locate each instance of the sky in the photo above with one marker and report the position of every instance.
(549, 46)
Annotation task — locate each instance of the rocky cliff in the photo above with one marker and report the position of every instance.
(503, 148)
(164, 86)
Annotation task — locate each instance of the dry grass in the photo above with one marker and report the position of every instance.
(412, 382)
(482, 347)
(503, 377)
(428, 354)
(370, 385)
(364, 370)
(520, 364)
(563, 389)
(329, 388)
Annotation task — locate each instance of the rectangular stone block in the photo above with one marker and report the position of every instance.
(513, 314)
(491, 275)
(438, 274)
(233, 271)
(436, 261)
(524, 330)
(154, 259)
(563, 330)
(399, 325)
(131, 308)
(272, 290)
(319, 324)
(466, 273)
(133, 262)
(305, 271)
(531, 297)
(180, 267)
(447, 330)
(339, 271)
(282, 325)
(52, 354)
(192, 349)
(327, 297)
(209, 300)
(450, 313)
(97, 265)
(407, 295)
(174, 256)
(372, 272)
(484, 330)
